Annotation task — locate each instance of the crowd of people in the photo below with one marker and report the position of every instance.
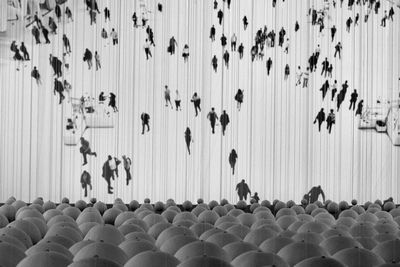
(264, 38)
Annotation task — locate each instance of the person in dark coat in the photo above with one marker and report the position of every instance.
(59, 88)
(196, 102)
(56, 64)
(256, 198)
(86, 181)
(188, 138)
(214, 63)
(360, 107)
(113, 102)
(245, 22)
(36, 34)
(24, 51)
(324, 89)
(107, 174)
(67, 44)
(353, 99)
(88, 57)
(127, 166)
(224, 119)
(220, 16)
(269, 65)
(106, 14)
(45, 32)
(320, 118)
(145, 121)
(232, 160)
(212, 33)
(36, 75)
(57, 11)
(86, 150)
(172, 44)
(239, 98)
(243, 189)
(213, 117)
(241, 50)
(314, 194)
(330, 121)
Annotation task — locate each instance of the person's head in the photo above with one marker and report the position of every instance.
(224, 111)
(212, 109)
(322, 109)
(112, 29)
(355, 90)
(103, 30)
(345, 81)
(319, 187)
(166, 86)
(255, 194)
(308, 68)
(82, 139)
(186, 46)
(34, 67)
(195, 94)
(95, 52)
(331, 110)
(242, 180)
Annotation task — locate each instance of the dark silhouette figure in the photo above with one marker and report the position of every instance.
(171, 47)
(224, 120)
(145, 121)
(68, 13)
(36, 75)
(102, 97)
(391, 13)
(147, 49)
(226, 58)
(314, 193)
(342, 95)
(325, 67)
(239, 98)
(212, 33)
(349, 21)
(67, 44)
(107, 174)
(255, 197)
(106, 14)
(213, 117)
(220, 16)
(320, 118)
(86, 150)
(86, 181)
(241, 50)
(324, 89)
(45, 32)
(360, 108)
(214, 63)
(196, 102)
(330, 120)
(114, 163)
(56, 64)
(134, 19)
(127, 166)
(245, 22)
(188, 138)
(223, 40)
(232, 160)
(57, 11)
(215, 4)
(36, 34)
(113, 102)
(383, 21)
(334, 89)
(243, 189)
(88, 57)
(167, 97)
(24, 51)
(269, 65)
(353, 99)
(338, 49)
(59, 88)
(333, 32)
(159, 7)
(296, 26)
(287, 71)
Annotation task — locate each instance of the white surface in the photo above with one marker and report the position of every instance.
(281, 154)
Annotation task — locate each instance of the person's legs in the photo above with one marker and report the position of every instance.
(148, 127)
(143, 124)
(84, 158)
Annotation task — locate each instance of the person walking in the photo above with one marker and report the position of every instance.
(213, 117)
(243, 190)
(224, 120)
(232, 160)
(320, 118)
(97, 60)
(86, 150)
